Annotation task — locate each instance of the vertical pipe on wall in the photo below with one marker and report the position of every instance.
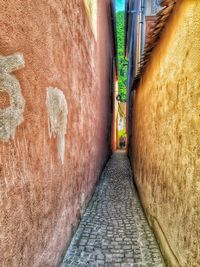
(143, 25)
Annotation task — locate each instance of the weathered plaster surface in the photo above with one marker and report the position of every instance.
(57, 113)
(39, 196)
(11, 115)
(166, 140)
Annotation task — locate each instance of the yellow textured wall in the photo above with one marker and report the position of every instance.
(166, 130)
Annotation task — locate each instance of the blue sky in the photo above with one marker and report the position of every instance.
(119, 5)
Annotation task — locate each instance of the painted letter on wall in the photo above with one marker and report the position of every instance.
(11, 113)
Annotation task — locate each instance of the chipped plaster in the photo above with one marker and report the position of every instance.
(57, 112)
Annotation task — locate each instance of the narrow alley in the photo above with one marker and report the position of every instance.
(113, 231)
(100, 133)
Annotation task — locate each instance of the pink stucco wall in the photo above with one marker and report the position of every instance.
(39, 197)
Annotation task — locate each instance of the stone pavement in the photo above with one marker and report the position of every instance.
(114, 232)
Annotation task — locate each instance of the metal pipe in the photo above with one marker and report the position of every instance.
(142, 23)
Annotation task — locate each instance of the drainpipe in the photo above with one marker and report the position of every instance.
(142, 27)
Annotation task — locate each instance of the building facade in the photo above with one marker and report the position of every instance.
(165, 127)
(139, 18)
(57, 77)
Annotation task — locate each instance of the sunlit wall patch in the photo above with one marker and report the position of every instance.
(57, 118)
(91, 7)
(11, 100)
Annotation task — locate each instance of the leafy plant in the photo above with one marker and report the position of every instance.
(122, 63)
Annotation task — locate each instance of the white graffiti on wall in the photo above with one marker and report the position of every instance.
(11, 116)
(57, 113)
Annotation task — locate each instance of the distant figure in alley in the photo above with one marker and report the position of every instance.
(122, 142)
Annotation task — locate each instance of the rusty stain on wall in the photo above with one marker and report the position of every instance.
(57, 118)
(11, 100)
(166, 142)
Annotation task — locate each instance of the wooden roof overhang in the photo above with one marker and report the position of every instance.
(153, 37)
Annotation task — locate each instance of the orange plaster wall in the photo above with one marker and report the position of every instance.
(39, 197)
(115, 111)
(150, 20)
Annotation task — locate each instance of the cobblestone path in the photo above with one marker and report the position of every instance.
(113, 231)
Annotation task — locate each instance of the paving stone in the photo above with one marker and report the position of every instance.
(113, 231)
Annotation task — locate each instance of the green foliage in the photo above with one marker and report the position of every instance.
(122, 63)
